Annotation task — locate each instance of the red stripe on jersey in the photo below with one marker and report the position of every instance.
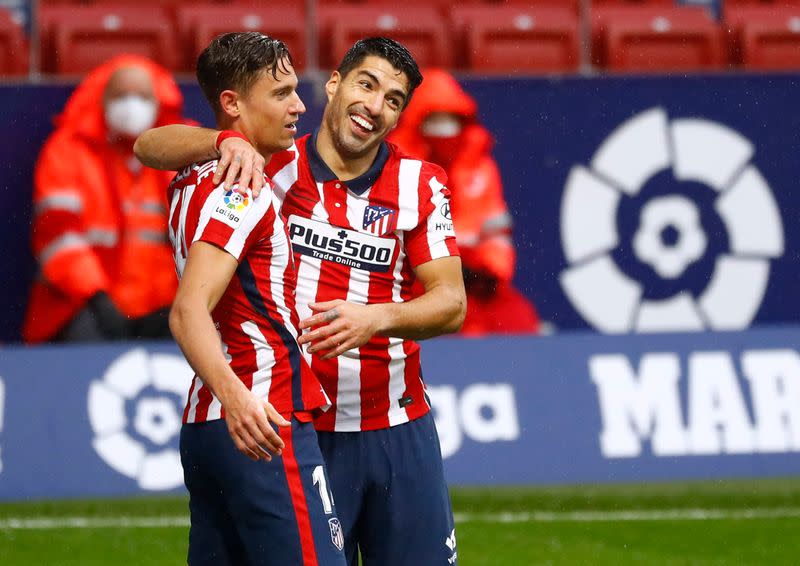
(298, 495)
(375, 358)
(278, 161)
(188, 402)
(204, 401)
(332, 285)
(251, 317)
(369, 392)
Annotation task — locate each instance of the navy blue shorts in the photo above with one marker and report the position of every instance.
(391, 496)
(250, 513)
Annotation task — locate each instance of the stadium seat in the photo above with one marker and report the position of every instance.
(421, 29)
(764, 36)
(517, 38)
(656, 38)
(81, 37)
(200, 23)
(13, 46)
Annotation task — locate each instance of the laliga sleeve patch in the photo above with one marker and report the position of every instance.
(232, 207)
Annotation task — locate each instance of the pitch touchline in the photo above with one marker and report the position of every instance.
(629, 515)
(182, 521)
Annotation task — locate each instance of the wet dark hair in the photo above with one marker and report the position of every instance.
(394, 52)
(235, 61)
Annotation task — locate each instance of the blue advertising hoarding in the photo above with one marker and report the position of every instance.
(97, 421)
(641, 203)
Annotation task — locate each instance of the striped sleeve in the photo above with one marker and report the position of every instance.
(234, 222)
(434, 237)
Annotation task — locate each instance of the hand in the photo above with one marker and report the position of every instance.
(112, 323)
(338, 327)
(240, 159)
(248, 419)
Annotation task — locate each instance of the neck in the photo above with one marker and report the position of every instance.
(236, 126)
(345, 167)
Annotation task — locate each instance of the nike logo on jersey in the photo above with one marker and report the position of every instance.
(340, 245)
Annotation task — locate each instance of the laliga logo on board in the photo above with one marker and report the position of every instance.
(135, 416)
(675, 178)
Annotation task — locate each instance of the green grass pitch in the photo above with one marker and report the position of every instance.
(709, 523)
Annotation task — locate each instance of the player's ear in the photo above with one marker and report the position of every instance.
(229, 102)
(333, 84)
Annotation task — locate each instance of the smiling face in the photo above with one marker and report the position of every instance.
(364, 106)
(269, 110)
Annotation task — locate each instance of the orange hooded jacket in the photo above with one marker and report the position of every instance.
(480, 214)
(100, 220)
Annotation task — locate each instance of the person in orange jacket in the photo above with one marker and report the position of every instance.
(100, 218)
(441, 125)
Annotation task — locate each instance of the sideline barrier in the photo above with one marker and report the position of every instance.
(96, 421)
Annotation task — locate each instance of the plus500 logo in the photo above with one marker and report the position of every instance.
(482, 412)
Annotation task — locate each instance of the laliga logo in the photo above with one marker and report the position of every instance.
(135, 417)
(236, 201)
(711, 160)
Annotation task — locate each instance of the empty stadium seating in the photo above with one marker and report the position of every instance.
(763, 35)
(422, 29)
(81, 37)
(13, 47)
(653, 37)
(517, 38)
(484, 36)
(200, 23)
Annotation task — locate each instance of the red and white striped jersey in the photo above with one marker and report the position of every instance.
(359, 241)
(255, 318)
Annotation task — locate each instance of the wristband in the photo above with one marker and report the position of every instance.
(225, 134)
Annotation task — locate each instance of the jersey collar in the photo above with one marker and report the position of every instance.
(322, 173)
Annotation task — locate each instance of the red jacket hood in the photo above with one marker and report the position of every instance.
(440, 92)
(84, 115)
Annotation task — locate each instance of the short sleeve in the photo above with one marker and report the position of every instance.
(434, 236)
(234, 222)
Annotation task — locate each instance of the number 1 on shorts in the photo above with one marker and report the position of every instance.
(318, 475)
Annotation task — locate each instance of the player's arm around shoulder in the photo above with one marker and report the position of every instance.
(173, 147)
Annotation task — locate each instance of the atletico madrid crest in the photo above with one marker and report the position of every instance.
(337, 536)
(378, 219)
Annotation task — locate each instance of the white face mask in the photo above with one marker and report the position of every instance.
(131, 114)
(441, 128)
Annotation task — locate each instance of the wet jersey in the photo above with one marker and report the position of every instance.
(255, 317)
(360, 241)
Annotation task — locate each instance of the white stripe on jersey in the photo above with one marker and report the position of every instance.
(437, 236)
(277, 270)
(194, 400)
(215, 407)
(249, 222)
(205, 212)
(285, 178)
(348, 392)
(265, 360)
(397, 382)
(358, 291)
(308, 272)
(408, 199)
(173, 203)
(306, 292)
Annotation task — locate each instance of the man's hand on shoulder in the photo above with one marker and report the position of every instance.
(240, 159)
(339, 326)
